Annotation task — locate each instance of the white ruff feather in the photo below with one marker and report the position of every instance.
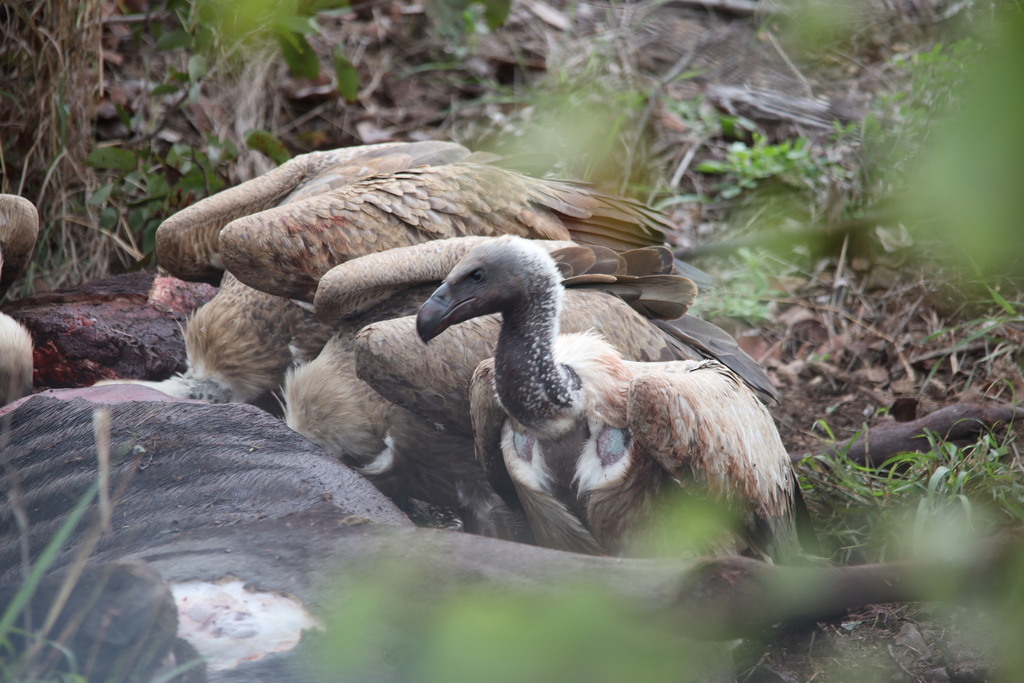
(384, 460)
(591, 473)
(604, 374)
(533, 474)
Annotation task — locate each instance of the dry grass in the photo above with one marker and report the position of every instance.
(52, 57)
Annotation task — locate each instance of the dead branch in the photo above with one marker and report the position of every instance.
(730, 597)
(769, 105)
(738, 8)
(960, 423)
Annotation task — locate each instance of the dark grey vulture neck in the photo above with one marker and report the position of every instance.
(533, 388)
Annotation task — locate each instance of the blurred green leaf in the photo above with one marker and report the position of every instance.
(101, 195)
(108, 219)
(575, 632)
(296, 23)
(165, 89)
(345, 72)
(263, 141)
(114, 158)
(174, 40)
(973, 172)
(712, 166)
(196, 68)
(496, 12)
(299, 55)
(157, 187)
(1001, 300)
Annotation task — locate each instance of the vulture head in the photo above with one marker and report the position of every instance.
(496, 277)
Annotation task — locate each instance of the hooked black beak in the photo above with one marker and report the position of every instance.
(437, 313)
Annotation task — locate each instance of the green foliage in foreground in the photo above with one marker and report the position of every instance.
(576, 633)
(11, 666)
(915, 504)
(743, 295)
(747, 165)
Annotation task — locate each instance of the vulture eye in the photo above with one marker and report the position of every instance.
(477, 275)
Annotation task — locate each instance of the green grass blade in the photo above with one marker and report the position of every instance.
(46, 559)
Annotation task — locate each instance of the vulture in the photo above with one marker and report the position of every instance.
(279, 233)
(400, 413)
(591, 444)
(19, 227)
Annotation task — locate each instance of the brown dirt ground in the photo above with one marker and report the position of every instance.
(846, 339)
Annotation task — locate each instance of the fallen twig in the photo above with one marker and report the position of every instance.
(959, 423)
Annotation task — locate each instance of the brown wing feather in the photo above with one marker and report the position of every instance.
(287, 249)
(488, 418)
(430, 380)
(649, 261)
(355, 286)
(656, 297)
(188, 244)
(695, 338)
(574, 260)
(699, 420)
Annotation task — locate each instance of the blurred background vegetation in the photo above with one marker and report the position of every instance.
(114, 115)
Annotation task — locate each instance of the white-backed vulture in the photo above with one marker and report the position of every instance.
(280, 232)
(428, 454)
(19, 227)
(592, 442)
(411, 433)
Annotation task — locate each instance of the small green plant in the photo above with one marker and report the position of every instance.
(914, 504)
(742, 292)
(746, 166)
(148, 185)
(456, 20)
(999, 332)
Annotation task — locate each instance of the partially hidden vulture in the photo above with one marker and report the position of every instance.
(19, 227)
(590, 443)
